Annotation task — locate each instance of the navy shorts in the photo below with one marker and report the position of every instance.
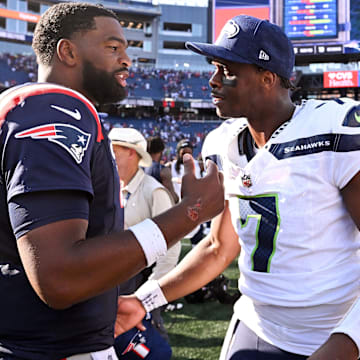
(246, 345)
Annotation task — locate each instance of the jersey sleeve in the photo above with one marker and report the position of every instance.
(346, 132)
(48, 142)
(210, 150)
(26, 212)
(221, 144)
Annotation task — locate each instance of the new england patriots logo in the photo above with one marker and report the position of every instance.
(137, 345)
(69, 137)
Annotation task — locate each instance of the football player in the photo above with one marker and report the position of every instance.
(292, 213)
(63, 250)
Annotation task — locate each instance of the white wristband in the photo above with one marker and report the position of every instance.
(151, 240)
(151, 295)
(350, 324)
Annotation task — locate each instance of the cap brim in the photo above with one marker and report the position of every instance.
(146, 159)
(212, 51)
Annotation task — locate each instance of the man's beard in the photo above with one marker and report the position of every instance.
(101, 85)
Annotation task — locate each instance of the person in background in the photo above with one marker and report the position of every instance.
(183, 147)
(155, 147)
(63, 250)
(143, 197)
(176, 166)
(292, 183)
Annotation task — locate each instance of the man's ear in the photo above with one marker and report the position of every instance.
(269, 78)
(66, 52)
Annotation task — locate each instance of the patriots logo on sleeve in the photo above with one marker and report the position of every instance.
(69, 137)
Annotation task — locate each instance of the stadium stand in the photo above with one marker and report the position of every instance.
(169, 129)
(159, 84)
(156, 84)
(16, 69)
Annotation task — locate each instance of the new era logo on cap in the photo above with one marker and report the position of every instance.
(264, 56)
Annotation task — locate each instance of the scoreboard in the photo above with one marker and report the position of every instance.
(310, 19)
(318, 29)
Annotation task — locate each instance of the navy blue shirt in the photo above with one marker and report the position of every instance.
(154, 170)
(52, 144)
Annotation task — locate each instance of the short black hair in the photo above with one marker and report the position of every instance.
(155, 144)
(61, 21)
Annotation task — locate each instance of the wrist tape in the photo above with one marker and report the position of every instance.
(151, 239)
(151, 295)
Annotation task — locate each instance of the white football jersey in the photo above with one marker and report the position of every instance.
(299, 261)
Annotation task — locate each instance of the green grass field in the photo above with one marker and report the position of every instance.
(197, 330)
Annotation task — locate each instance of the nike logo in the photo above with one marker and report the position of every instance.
(357, 117)
(74, 114)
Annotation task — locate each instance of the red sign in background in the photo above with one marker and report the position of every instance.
(340, 79)
(222, 15)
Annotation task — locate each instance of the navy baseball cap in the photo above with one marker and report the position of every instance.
(249, 40)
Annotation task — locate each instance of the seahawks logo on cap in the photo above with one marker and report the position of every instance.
(230, 29)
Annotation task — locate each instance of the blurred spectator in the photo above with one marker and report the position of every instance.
(183, 147)
(155, 147)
